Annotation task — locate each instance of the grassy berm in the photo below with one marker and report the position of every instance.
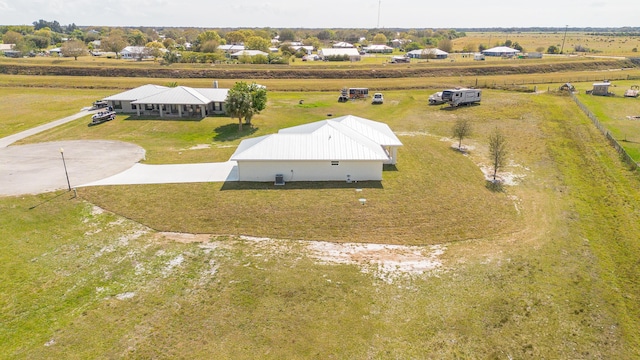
(547, 268)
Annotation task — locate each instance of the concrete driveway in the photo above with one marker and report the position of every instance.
(176, 173)
(38, 168)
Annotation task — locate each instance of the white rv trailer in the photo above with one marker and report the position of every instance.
(457, 97)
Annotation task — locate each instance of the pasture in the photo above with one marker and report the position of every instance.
(532, 41)
(544, 268)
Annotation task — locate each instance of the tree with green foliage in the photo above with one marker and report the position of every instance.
(414, 45)
(244, 101)
(74, 48)
(155, 49)
(208, 37)
(257, 43)
(445, 45)
(24, 46)
(115, 42)
(11, 37)
(287, 35)
(380, 39)
(497, 151)
(461, 129)
(137, 38)
(553, 49)
(234, 37)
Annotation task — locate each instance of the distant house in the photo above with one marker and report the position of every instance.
(352, 53)
(230, 49)
(381, 49)
(134, 52)
(432, 53)
(307, 49)
(347, 148)
(248, 53)
(181, 101)
(398, 43)
(6, 47)
(500, 51)
(342, 45)
(55, 52)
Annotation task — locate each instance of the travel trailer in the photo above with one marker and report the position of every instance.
(457, 97)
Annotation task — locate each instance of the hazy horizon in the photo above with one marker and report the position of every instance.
(366, 14)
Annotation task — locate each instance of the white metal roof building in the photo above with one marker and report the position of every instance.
(249, 53)
(342, 149)
(428, 53)
(378, 49)
(500, 51)
(342, 44)
(352, 53)
(231, 48)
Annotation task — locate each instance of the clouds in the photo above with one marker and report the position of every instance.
(323, 13)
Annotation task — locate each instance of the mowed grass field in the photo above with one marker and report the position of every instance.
(547, 268)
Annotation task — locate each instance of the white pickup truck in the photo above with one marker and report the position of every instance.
(377, 98)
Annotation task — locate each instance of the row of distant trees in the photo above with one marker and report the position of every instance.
(43, 34)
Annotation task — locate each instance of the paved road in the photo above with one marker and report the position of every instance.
(6, 141)
(39, 168)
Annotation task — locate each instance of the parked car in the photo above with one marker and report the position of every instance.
(436, 99)
(377, 98)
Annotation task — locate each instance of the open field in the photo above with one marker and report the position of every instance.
(546, 268)
(531, 41)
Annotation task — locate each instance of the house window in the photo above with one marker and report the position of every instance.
(117, 105)
(335, 163)
(134, 106)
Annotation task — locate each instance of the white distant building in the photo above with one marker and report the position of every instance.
(352, 53)
(248, 53)
(134, 52)
(500, 51)
(378, 49)
(230, 49)
(342, 45)
(432, 53)
(347, 148)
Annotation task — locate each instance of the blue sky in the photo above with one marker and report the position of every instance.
(325, 13)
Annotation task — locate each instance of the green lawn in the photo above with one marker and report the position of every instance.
(544, 269)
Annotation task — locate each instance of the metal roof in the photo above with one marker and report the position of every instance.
(182, 95)
(345, 138)
(249, 53)
(339, 51)
(501, 50)
(375, 131)
(138, 93)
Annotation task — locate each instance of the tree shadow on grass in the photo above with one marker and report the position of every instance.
(494, 185)
(230, 132)
(300, 185)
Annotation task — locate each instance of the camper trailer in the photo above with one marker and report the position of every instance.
(457, 97)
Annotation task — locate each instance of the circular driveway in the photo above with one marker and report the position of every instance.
(39, 168)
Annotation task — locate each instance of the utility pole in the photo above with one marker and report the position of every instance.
(65, 168)
(565, 38)
(379, 5)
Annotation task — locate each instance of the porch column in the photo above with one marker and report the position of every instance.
(202, 111)
(138, 109)
(394, 155)
(161, 112)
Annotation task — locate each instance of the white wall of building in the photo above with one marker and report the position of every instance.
(321, 170)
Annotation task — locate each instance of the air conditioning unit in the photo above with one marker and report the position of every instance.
(279, 179)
